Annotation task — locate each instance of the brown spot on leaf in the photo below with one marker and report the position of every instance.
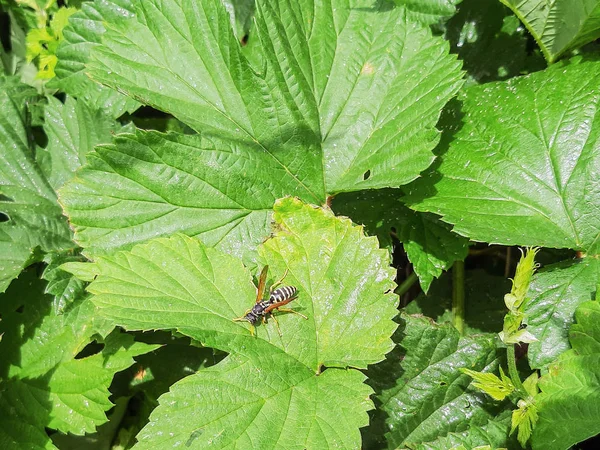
(367, 69)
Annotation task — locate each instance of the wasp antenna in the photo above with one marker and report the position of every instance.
(278, 282)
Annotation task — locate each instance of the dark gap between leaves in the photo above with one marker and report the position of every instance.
(92, 348)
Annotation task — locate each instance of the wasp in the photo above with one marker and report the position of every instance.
(277, 298)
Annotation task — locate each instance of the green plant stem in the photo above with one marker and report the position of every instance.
(514, 374)
(458, 296)
(407, 284)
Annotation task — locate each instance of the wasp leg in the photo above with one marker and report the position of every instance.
(277, 325)
(243, 318)
(292, 311)
(278, 282)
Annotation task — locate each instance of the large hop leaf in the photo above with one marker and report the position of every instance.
(344, 98)
(344, 284)
(532, 181)
(560, 25)
(569, 402)
(555, 293)
(423, 394)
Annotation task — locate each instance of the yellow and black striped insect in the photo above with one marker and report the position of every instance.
(277, 298)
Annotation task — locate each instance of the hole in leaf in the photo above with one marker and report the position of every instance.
(366, 175)
(244, 40)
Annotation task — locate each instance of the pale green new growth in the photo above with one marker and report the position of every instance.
(525, 269)
(524, 419)
(497, 388)
(513, 331)
(530, 384)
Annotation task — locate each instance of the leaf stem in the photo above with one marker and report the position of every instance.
(458, 296)
(407, 284)
(514, 374)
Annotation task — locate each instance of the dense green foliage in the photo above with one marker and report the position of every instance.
(155, 155)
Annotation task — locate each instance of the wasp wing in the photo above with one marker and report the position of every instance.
(262, 284)
(279, 304)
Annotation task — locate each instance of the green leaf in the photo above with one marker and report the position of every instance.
(73, 130)
(560, 25)
(65, 288)
(429, 243)
(15, 253)
(423, 394)
(429, 12)
(43, 384)
(324, 118)
(569, 402)
(156, 372)
(26, 198)
(13, 57)
(530, 384)
(526, 182)
(491, 42)
(223, 406)
(585, 334)
(344, 284)
(137, 390)
(556, 292)
(84, 31)
(151, 183)
(493, 434)
(84, 271)
(104, 436)
(483, 295)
